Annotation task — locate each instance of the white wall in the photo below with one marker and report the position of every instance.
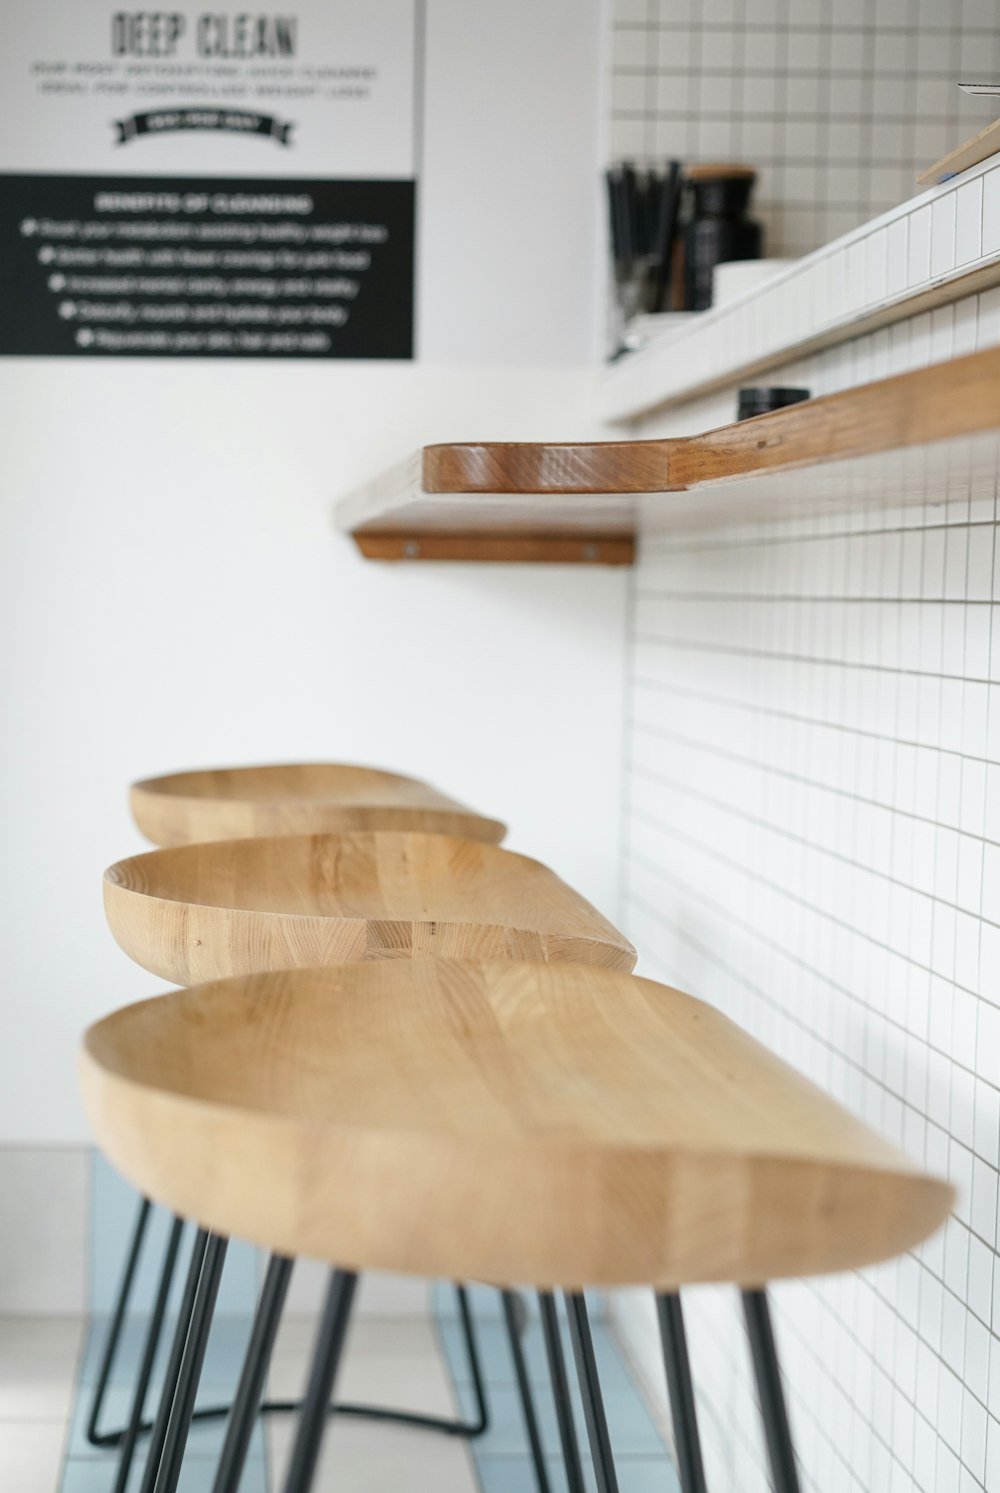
(172, 592)
(813, 845)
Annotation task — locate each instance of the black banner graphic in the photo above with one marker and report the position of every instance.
(235, 121)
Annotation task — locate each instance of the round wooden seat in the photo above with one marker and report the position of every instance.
(297, 798)
(550, 1124)
(200, 912)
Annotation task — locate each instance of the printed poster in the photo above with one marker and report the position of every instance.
(207, 183)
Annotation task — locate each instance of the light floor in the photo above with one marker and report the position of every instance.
(39, 1360)
(47, 1368)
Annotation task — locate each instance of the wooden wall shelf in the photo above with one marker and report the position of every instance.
(917, 437)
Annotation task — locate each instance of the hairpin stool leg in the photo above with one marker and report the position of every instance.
(590, 1389)
(513, 1312)
(560, 1393)
(680, 1387)
(191, 1365)
(448, 1425)
(774, 1413)
(113, 1438)
(153, 1334)
(169, 1388)
(255, 1365)
(322, 1377)
(481, 1422)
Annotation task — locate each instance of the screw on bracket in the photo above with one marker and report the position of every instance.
(411, 549)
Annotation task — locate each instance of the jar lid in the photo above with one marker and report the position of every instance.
(714, 172)
(761, 401)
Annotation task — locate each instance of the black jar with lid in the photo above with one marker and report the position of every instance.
(761, 401)
(719, 230)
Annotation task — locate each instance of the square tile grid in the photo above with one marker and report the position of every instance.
(839, 105)
(812, 843)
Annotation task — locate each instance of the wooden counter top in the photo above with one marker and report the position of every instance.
(898, 438)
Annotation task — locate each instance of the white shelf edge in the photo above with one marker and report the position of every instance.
(753, 336)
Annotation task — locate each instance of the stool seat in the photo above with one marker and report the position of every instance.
(205, 911)
(553, 1124)
(296, 798)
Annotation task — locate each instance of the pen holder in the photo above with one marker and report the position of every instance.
(629, 301)
(644, 208)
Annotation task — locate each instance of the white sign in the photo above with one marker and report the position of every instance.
(204, 182)
(341, 73)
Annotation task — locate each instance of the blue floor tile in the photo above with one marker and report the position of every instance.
(632, 1429)
(113, 1212)
(85, 1475)
(500, 1455)
(516, 1474)
(513, 1475)
(485, 1300)
(498, 1365)
(205, 1439)
(494, 1350)
(90, 1469)
(223, 1357)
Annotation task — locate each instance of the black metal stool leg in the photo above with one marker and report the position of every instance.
(191, 1364)
(511, 1311)
(774, 1413)
(680, 1387)
(255, 1366)
(153, 1334)
(112, 1438)
(447, 1425)
(322, 1377)
(560, 1393)
(590, 1389)
(481, 1422)
(169, 1389)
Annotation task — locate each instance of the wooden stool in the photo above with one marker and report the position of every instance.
(561, 1125)
(299, 798)
(282, 799)
(296, 798)
(200, 911)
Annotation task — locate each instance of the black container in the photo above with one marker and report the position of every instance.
(756, 401)
(719, 231)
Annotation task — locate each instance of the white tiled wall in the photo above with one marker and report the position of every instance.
(812, 843)
(839, 103)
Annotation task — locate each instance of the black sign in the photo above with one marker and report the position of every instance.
(204, 267)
